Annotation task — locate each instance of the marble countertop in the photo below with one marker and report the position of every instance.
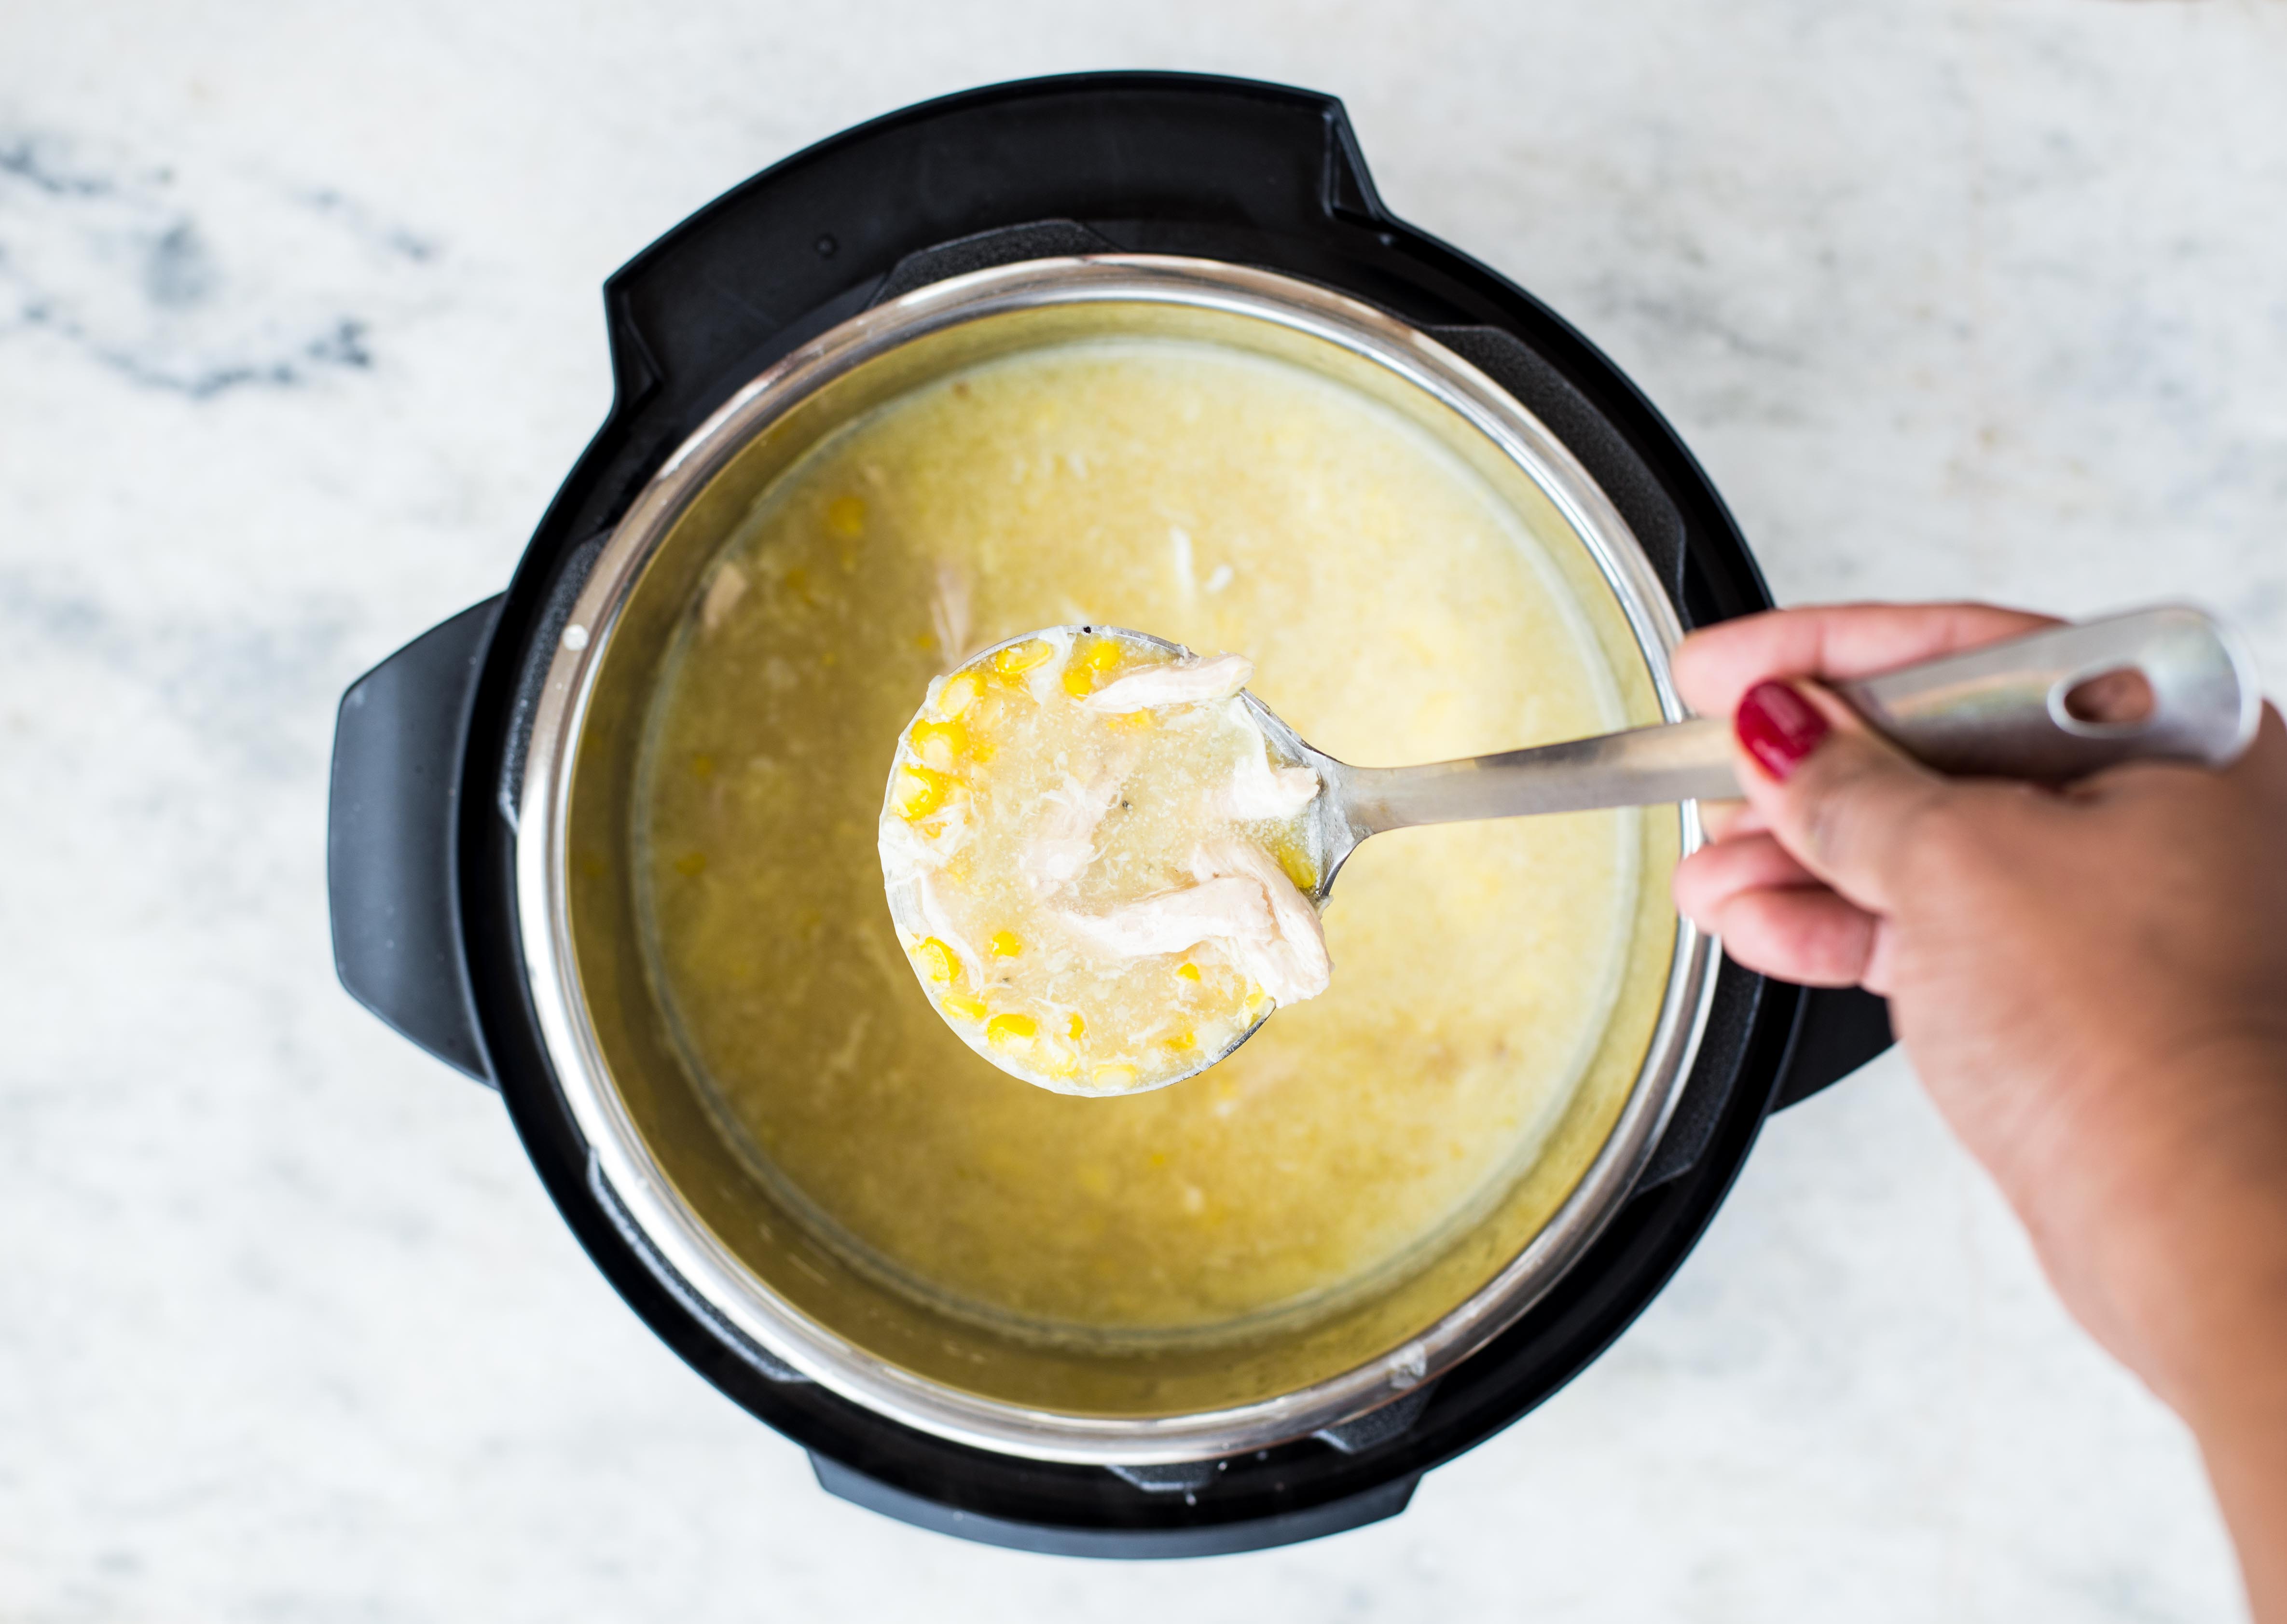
(298, 331)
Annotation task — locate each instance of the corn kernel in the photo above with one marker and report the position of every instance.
(845, 516)
(1182, 1041)
(1112, 1078)
(960, 690)
(1075, 1028)
(919, 792)
(1080, 682)
(1013, 661)
(964, 1005)
(1060, 1062)
(936, 959)
(1134, 722)
(1104, 654)
(939, 744)
(1004, 945)
(1011, 1031)
(1295, 863)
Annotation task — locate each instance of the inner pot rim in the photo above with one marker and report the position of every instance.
(676, 1241)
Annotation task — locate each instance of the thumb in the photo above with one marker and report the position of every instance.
(1846, 802)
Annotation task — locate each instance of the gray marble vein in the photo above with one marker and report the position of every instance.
(123, 259)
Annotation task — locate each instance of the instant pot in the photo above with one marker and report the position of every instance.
(470, 766)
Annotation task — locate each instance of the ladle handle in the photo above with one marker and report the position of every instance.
(2029, 708)
(2034, 707)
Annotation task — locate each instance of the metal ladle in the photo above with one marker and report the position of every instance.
(2164, 684)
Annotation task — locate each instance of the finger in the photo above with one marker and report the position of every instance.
(1847, 803)
(1725, 819)
(1714, 666)
(2264, 767)
(1807, 935)
(1714, 874)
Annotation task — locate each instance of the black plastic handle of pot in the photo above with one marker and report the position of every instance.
(1840, 1029)
(1095, 149)
(1132, 1541)
(391, 873)
(1832, 1033)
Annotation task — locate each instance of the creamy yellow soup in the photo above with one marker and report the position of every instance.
(1395, 611)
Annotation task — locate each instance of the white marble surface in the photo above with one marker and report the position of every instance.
(298, 330)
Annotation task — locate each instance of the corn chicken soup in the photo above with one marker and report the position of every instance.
(1394, 610)
(1095, 864)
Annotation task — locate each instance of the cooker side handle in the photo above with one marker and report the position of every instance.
(391, 880)
(1837, 1030)
(1117, 1537)
(819, 236)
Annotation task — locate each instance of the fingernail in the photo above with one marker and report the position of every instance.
(1779, 727)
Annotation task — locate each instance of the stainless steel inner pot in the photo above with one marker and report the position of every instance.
(726, 1240)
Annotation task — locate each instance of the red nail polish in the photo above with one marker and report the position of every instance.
(1779, 727)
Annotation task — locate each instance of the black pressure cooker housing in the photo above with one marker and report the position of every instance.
(429, 754)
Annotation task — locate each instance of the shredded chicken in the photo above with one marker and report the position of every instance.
(1189, 681)
(1230, 909)
(1292, 964)
(1259, 790)
(949, 615)
(1066, 844)
(1243, 900)
(722, 595)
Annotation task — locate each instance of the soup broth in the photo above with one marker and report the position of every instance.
(1395, 611)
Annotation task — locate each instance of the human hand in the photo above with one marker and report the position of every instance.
(2091, 982)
